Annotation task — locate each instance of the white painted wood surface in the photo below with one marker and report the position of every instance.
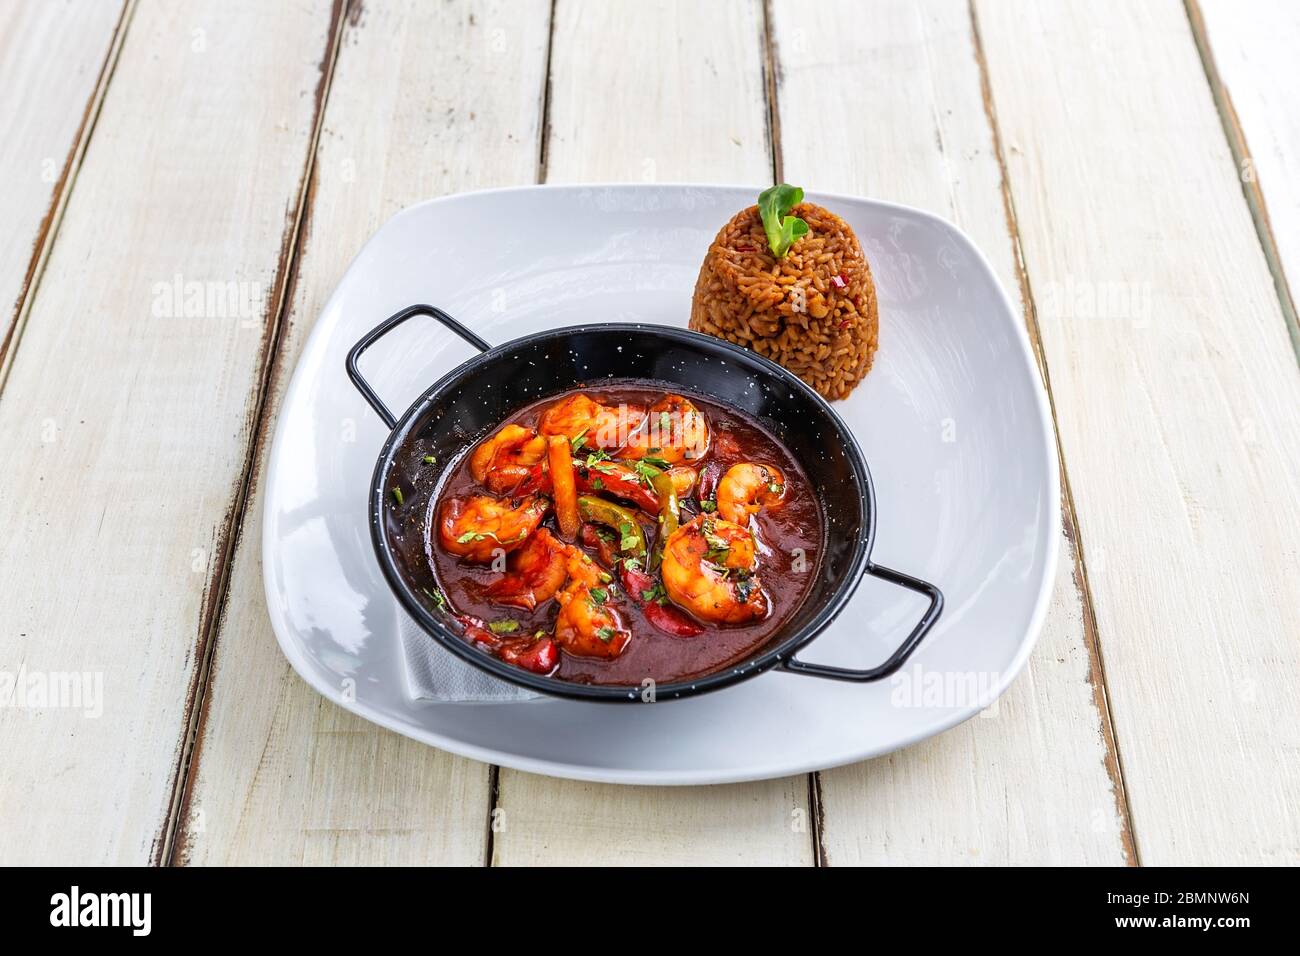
(52, 56)
(692, 75)
(281, 775)
(1174, 381)
(1176, 393)
(1252, 60)
(126, 430)
(1028, 782)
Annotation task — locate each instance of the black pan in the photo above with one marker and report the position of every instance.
(479, 394)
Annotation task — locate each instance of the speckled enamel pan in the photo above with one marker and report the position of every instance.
(480, 393)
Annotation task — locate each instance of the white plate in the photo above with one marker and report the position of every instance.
(952, 418)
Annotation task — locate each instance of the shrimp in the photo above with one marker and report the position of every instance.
(534, 573)
(674, 431)
(600, 426)
(587, 626)
(709, 569)
(507, 461)
(474, 528)
(683, 478)
(746, 489)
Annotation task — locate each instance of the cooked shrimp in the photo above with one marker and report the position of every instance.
(587, 626)
(537, 571)
(683, 478)
(746, 489)
(509, 459)
(601, 426)
(474, 528)
(534, 573)
(708, 569)
(674, 431)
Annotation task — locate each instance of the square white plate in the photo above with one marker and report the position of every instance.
(952, 418)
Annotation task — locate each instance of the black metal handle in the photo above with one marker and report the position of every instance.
(382, 329)
(903, 651)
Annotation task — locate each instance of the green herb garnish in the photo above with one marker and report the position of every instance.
(659, 463)
(437, 597)
(503, 627)
(606, 634)
(782, 229)
(708, 505)
(397, 495)
(646, 472)
(599, 595)
(576, 442)
(430, 460)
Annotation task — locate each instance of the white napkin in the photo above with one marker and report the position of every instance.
(435, 673)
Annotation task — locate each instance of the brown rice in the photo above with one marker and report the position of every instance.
(813, 311)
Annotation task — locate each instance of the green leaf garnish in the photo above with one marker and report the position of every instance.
(599, 595)
(503, 627)
(782, 229)
(646, 472)
(576, 442)
(606, 634)
(397, 495)
(708, 505)
(437, 597)
(430, 460)
(659, 463)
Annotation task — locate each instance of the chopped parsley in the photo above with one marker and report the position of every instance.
(503, 627)
(577, 441)
(606, 634)
(708, 505)
(430, 460)
(598, 595)
(397, 495)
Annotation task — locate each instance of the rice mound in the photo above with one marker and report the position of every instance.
(813, 311)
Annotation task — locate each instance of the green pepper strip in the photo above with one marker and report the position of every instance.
(620, 519)
(669, 514)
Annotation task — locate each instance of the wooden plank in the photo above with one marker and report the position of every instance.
(692, 77)
(1176, 390)
(977, 794)
(53, 58)
(126, 413)
(1249, 55)
(426, 100)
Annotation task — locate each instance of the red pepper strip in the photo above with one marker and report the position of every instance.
(477, 631)
(667, 618)
(620, 481)
(708, 485)
(671, 620)
(605, 552)
(537, 654)
(634, 582)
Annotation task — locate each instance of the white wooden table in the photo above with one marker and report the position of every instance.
(1130, 168)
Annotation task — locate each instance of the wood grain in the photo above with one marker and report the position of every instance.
(126, 413)
(425, 100)
(1029, 784)
(692, 75)
(1176, 389)
(53, 59)
(1249, 53)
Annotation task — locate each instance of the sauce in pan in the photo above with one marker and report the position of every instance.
(547, 538)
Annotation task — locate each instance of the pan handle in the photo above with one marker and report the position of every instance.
(903, 650)
(382, 329)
